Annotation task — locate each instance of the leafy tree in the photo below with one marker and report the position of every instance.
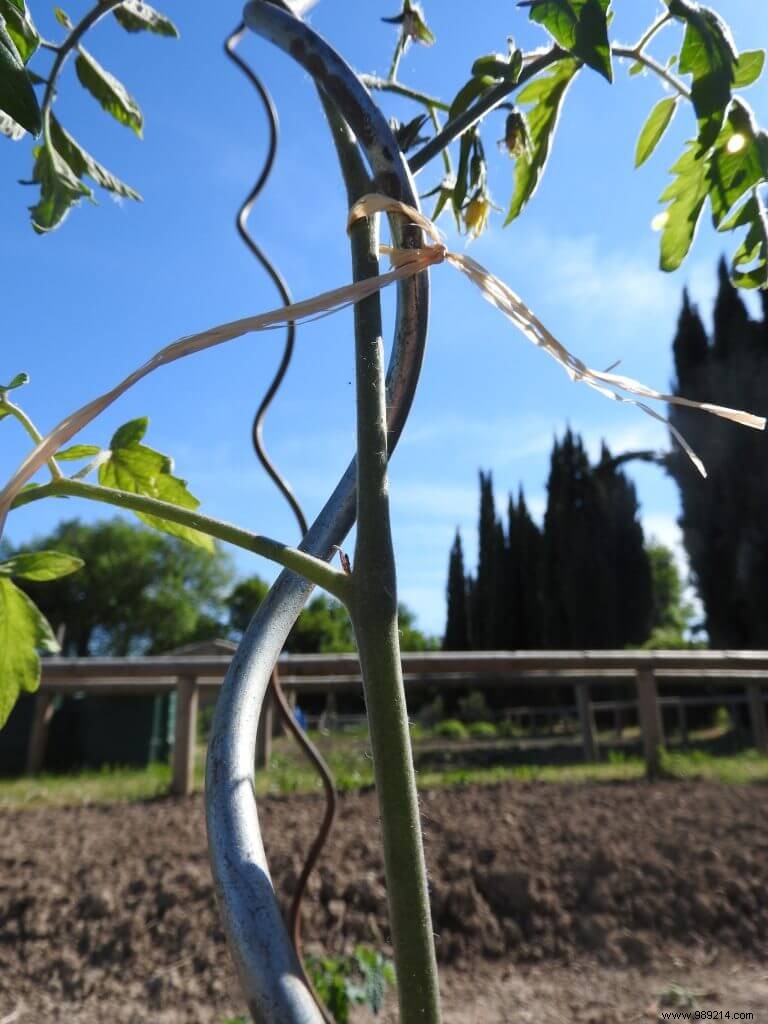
(486, 613)
(139, 592)
(457, 625)
(324, 626)
(723, 518)
(671, 615)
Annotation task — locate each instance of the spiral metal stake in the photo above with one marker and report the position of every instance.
(286, 713)
(266, 962)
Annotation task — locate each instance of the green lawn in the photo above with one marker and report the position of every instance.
(353, 769)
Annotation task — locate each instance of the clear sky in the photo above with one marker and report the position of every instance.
(89, 301)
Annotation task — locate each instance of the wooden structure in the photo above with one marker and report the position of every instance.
(190, 676)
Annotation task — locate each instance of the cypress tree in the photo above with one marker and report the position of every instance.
(485, 612)
(457, 624)
(523, 578)
(725, 530)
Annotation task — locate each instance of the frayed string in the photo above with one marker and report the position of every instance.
(405, 263)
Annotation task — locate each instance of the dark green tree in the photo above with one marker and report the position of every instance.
(139, 592)
(457, 623)
(486, 615)
(725, 531)
(523, 579)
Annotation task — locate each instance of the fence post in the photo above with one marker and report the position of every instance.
(185, 736)
(264, 733)
(651, 723)
(757, 717)
(682, 721)
(586, 722)
(38, 737)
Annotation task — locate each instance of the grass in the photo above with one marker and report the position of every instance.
(351, 765)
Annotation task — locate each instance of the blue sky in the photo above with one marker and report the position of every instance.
(88, 302)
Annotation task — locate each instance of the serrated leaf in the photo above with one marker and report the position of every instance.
(41, 566)
(546, 94)
(749, 268)
(110, 93)
(686, 196)
(709, 56)
(17, 382)
(10, 128)
(60, 189)
(82, 163)
(62, 17)
(23, 632)
(749, 67)
(17, 97)
(20, 27)
(135, 16)
(138, 469)
(130, 433)
(654, 128)
(78, 451)
(580, 27)
(739, 161)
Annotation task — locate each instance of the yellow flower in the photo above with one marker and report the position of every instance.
(476, 214)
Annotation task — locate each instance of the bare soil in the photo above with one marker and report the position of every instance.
(551, 903)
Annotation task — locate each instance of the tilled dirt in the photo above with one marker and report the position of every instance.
(107, 913)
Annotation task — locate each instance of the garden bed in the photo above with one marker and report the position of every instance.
(107, 913)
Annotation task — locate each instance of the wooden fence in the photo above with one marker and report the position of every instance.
(188, 676)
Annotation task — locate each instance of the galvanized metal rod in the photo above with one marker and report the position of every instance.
(258, 939)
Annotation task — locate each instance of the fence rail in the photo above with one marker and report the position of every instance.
(188, 675)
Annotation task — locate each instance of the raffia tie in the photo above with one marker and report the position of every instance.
(405, 263)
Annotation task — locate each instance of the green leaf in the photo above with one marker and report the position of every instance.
(546, 94)
(82, 163)
(750, 263)
(499, 67)
(749, 67)
(41, 566)
(62, 17)
(130, 433)
(637, 68)
(78, 451)
(468, 93)
(20, 27)
(60, 189)
(686, 197)
(709, 55)
(579, 26)
(18, 382)
(23, 631)
(10, 128)
(136, 16)
(654, 128)
(141, 470)
(17, 97)
(739, 161)
(111, 94)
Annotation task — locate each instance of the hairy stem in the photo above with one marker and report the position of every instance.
(314, 569)
(388, 85)
(648, 35)
(14, 410)
(374, 615)
(652, 65)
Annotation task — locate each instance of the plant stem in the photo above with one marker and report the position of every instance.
(64, 49)
(313, 569)
(14, 410)
(648, 35)
(389, 85)
(374, 617)
(495, 96)
(653, 65)
(400, 48)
